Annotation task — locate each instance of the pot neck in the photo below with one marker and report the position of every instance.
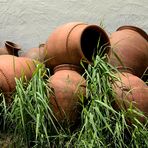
(136, 29)
(68, 67)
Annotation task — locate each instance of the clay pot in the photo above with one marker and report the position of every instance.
(10, 48)
(130, 45)
(68, 86)
(74, 41)
(12, 67)
(131, 90)
(36, 53)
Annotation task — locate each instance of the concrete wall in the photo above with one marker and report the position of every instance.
(29, 22)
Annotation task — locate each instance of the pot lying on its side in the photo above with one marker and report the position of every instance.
(68, 86)
(36, 53)
(74, 41)
(10, 48)
(12, 67)
(130, 49)
(131, 89)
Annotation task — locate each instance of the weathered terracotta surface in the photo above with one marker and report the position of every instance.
(68, 85)
(73, 41)
(131, 89)
(12, 67)
(130, 44)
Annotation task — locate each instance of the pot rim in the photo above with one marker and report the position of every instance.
(12, 45)
(94, 27)
(68, 67)
(134, 28)
(106, 46)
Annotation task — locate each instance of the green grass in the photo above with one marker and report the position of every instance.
(30, 122)
(102, 126)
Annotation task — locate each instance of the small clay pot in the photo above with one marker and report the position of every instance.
(12, 67)
(131, 90)
(10, 48)
(130, 49)
(68, 86)
(72, 42)
(36, 53)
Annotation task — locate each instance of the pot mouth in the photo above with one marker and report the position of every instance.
(12, 45)
(94, 40)
(68, 67)
(134, 28)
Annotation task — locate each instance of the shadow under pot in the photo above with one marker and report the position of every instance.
(130, 49)
(68, 87)
(72, 42)
(131, 92)
(10, 49)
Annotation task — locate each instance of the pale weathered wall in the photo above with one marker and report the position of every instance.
(29, 22)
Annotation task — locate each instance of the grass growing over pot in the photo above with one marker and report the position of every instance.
(30, 122)
(102, 126)
(31, 118)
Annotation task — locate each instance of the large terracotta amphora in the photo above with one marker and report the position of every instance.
(74, 41)
(131, 91)
(12, 67)
(130, 49)
(68, 88)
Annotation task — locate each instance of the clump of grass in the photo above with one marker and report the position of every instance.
(31, 122)
(102, 125)
(31, 117)
(5, 137)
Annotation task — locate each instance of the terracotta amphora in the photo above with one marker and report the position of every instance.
(74, 41)
(68, 87)
(130, 49)
(12, 67)
(131, 90)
